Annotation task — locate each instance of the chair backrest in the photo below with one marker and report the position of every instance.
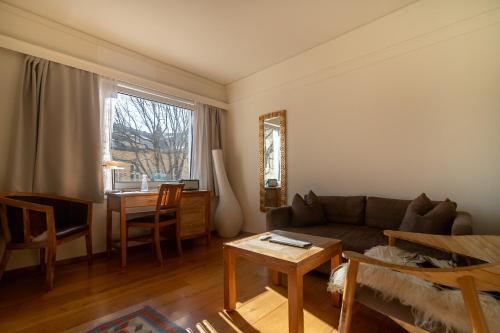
(22, 220)
(169, 197)
(483, 247)
(469, 279)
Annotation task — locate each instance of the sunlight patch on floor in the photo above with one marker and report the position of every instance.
(266, 312)
(204, 327)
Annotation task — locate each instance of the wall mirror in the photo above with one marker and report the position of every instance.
(272, 160)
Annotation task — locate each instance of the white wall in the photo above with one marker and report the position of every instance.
(407, 104)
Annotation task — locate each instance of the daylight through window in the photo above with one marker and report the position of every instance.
(152, 138)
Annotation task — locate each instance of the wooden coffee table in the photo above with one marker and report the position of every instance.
(293, 261)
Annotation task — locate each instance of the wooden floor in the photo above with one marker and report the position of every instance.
(187, 290)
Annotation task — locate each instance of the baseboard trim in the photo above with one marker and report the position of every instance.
(36, 268)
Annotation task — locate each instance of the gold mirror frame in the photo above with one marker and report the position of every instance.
(283, 166)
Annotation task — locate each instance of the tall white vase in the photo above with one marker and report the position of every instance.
(228, 216)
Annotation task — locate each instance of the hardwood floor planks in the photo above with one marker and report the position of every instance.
(188, 290)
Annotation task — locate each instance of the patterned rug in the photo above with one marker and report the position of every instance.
(146, 320)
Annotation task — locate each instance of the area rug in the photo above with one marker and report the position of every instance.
(145, 320)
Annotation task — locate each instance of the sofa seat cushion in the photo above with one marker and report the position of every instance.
(362, 238)
(344, 209)
(384, 213)
(354, 238)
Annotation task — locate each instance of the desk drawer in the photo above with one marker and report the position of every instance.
(194, 215)
(141, 201)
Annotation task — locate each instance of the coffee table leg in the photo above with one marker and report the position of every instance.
(336, 297)
(295, 303)
(275, 277)
(229, 280)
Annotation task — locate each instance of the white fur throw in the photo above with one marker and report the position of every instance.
(431, 304)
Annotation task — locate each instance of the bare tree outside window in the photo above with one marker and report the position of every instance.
(153, 138)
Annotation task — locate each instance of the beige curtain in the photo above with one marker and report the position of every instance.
(207, 135)
(58, 144)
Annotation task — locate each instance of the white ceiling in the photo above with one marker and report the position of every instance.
(222, 40)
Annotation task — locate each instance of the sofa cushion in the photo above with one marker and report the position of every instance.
(421, 204)
(438, 220)
(312, 199)
(361, 238)
(307, 213)
(347, 210)
(384, 213)
(278, 217)
(354, 238)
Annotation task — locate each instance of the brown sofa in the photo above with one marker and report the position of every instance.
(359, 222)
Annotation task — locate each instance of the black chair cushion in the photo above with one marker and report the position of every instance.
(70, 230)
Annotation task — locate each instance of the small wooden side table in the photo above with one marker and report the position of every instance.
(293, 261)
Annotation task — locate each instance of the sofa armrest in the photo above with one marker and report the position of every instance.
(278, 217)
(462, 225)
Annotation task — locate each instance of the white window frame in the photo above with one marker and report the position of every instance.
(129, 89)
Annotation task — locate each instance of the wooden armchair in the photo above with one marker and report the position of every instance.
(41, 221)
(469, 279)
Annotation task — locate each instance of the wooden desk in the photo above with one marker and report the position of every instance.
(195, 215)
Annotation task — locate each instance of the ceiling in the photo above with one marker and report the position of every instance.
(222, 40)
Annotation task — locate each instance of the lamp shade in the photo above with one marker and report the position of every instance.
(114, 165)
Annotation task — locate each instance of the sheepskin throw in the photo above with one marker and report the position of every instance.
(432, 305)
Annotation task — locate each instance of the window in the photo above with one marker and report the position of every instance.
(152, 136)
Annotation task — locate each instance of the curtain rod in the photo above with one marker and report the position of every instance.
(151, 92)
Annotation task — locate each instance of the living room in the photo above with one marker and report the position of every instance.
(364, 100)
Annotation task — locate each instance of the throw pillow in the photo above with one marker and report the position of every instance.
(421, 204)
(311, 199)
(307, 212)
(423, 216)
